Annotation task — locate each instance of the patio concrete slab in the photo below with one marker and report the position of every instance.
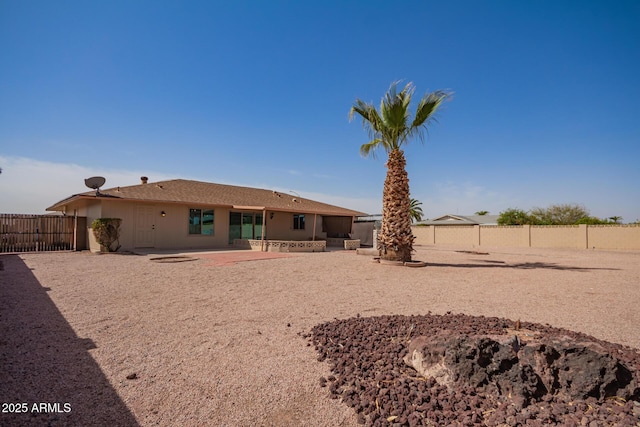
(234, 257)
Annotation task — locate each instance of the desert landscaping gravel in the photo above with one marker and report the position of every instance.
(476, 370)
(90, 339)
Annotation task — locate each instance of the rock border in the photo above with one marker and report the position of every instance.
(369, 375)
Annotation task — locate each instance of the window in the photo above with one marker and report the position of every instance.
(201, 221)
(298, 222)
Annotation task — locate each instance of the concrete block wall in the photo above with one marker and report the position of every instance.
(624, 237)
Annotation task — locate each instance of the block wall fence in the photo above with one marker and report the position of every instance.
(623, 237)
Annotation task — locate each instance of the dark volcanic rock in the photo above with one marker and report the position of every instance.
(575, 370)
(546, 376)
(524, 371)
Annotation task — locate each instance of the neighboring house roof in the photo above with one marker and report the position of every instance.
(450, 219)
(204, 193)
(369, 218)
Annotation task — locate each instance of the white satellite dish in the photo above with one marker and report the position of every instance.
(95, 182)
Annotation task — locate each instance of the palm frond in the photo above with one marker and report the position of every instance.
(391, 126)
(415, 211)
(369, 148)
(428, 106)
(425, 111)
(394, 109)
(371, 120)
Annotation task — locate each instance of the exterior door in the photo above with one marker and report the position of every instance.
(235, 226)
(145, 227)
(245, 225)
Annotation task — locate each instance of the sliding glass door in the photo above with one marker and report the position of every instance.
(257, 228)
(245, 225)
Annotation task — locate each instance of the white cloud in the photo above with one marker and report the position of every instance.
(30, 186)
(369, 206)
(464, 198)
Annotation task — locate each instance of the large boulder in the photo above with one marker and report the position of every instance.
(523, 369)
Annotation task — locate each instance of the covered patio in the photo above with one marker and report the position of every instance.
(248, 230)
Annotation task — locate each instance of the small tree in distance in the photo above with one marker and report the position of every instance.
(592, 220)
(514, 217)
(562, 214)
(615, 219)
(481, 213)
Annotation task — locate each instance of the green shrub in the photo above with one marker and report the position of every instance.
(107, 232)
(515, 217)
(592, 220)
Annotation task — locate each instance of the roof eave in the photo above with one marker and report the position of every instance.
(59, 206)
(62, 203)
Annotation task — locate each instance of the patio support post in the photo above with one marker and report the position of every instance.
(264, 226)
(75, 229)
(315, 217)
(353, 219)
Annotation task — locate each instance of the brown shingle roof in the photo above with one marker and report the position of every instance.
(205, 193)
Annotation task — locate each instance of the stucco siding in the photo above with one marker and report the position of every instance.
(171, 231)
(614, 237)
(168, 231)
(452, 234)
(624, 237)
(494, 235)
(555, 236)
(280, 227)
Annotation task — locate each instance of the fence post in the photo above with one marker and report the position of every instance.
(74, 243)
(476, 235)
(583, 236)
(526, 236)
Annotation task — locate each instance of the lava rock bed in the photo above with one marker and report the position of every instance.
(369, 374)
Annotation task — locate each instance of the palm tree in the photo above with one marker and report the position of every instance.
(481, 213)
(391, 128)
(415, 211)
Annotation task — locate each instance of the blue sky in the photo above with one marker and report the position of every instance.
(545, 107)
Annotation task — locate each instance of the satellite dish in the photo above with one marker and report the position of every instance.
(95, 182)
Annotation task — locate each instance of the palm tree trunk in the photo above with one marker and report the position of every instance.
(395, 238)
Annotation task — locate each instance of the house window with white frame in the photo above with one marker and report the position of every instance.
(201, 222)
(298, 221)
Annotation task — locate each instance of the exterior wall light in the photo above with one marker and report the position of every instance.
(271, 215)
(163, 214)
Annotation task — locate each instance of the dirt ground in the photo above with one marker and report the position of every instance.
(124, 340)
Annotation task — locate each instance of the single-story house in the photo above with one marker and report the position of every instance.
(184, 214)
(450, 219)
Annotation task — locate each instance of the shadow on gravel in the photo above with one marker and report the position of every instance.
(521, 266)
(44, 364)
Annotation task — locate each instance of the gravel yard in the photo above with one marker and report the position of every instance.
(122, 340)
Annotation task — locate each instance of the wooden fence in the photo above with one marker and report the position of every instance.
(35, 233)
